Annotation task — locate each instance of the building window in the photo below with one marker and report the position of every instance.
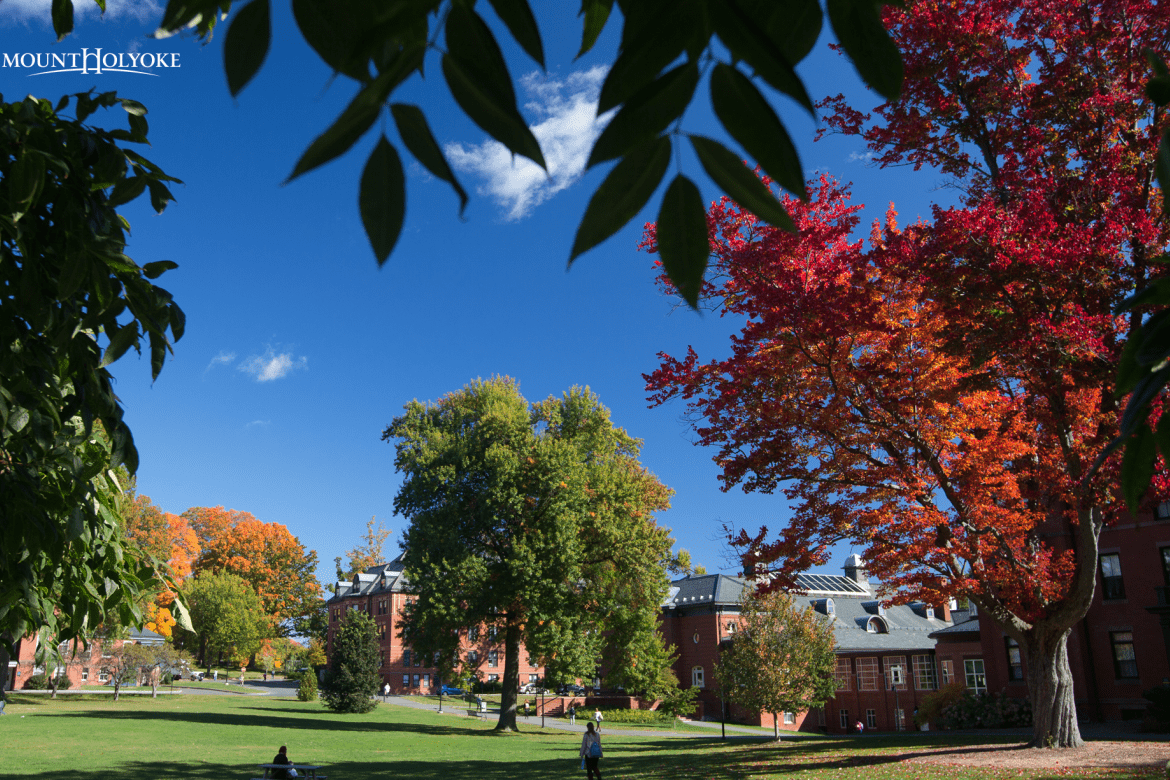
(414, 680)
(426, 681)
(493, 657)
(876, 625)
(841, 673)
(843, 717)
(531, 661)
(820, 716)
(406, 656)
(1014, 658)
(493, 631)
(382, 632)
(731, 628)
(1113, 587)
(895, 671)
(789, 718)
(473, 633)
(406, 681)
(976, 679)
(1124, 661)
(493, 678)
(533, 678)
(473, 657)
(382, 660)
(948, 672)
(924, 679)
(697, 677)
(84, 673)
(867, 674)
(103, 675)
(871, 719)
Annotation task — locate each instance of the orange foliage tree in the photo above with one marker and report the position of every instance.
(169, 539)
(265, 555)
(945, 398)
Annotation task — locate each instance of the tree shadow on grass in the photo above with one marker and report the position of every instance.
(264, 718)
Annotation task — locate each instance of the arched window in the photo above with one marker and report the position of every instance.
(697, 677)
(876, 625)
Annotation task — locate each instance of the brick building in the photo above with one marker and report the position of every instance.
(885, 655)
(1122, 646)
(383, 592)
(83, 666)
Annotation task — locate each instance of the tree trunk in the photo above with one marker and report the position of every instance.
(1050, 688)
(4, 659)
(775, 727)
(507, 720)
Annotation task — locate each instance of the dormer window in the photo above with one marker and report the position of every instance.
(876, 625)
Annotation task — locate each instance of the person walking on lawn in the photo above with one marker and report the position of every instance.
(597, 718)
(591, 751)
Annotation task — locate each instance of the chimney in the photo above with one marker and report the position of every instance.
(855, 570)
(942, 610)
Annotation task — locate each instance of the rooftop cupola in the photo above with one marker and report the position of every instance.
(855, 570)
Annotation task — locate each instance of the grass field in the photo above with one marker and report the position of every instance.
(225, 737)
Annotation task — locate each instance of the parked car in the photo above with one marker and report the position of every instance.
(448, 690)
(571, 690)
(530, 688)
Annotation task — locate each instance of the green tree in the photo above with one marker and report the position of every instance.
(66, 288)
(353, 679)
(748, 48)
(781, 659)
(536, 520)
(307, 689)
(227, 615)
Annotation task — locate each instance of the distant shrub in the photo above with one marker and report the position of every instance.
(630, 716)
(307, 690)
(931, 708)
(487, 687)
(42, 682)
(680, 702)
(986, 711)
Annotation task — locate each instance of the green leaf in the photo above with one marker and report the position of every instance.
(682, 238)
(62, 104)
(122, 339)
(160, 196)
(62, 18)
(158, 268)
(126, 190)
(139, 128)
(861, 33)
(498, 119)
(18, 419)
(353, 123)
(522, 24)
(642, 60)
(595, 13)
(1138, 406)
(72, 275)
(416, 134)
(1162, 436)
(748, 117)
(794, 25)
(382, 201)
(646, 114)
(471, 43)
(622, 195)
(133, 107)
(26, 180)
(332, 28)
(727, 171)
(1137, 466)
(1158, 90)
(246, 44)
(747, 41)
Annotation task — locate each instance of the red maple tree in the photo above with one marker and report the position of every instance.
(943, 396)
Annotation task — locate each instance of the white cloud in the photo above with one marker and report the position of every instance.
(258, 422)
(566, 132)
(222, 359)
(271, 365)
(863, 158)
(38, 10)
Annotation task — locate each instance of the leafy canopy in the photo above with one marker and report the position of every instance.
(537, 520)
(66, 288)
(748, 48)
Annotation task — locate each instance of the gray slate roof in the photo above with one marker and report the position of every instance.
(380, 578)
(964, 623)
(906, 627)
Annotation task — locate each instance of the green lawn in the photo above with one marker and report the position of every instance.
(224, 737)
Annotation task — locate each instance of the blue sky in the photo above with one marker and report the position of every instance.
(299, 350)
